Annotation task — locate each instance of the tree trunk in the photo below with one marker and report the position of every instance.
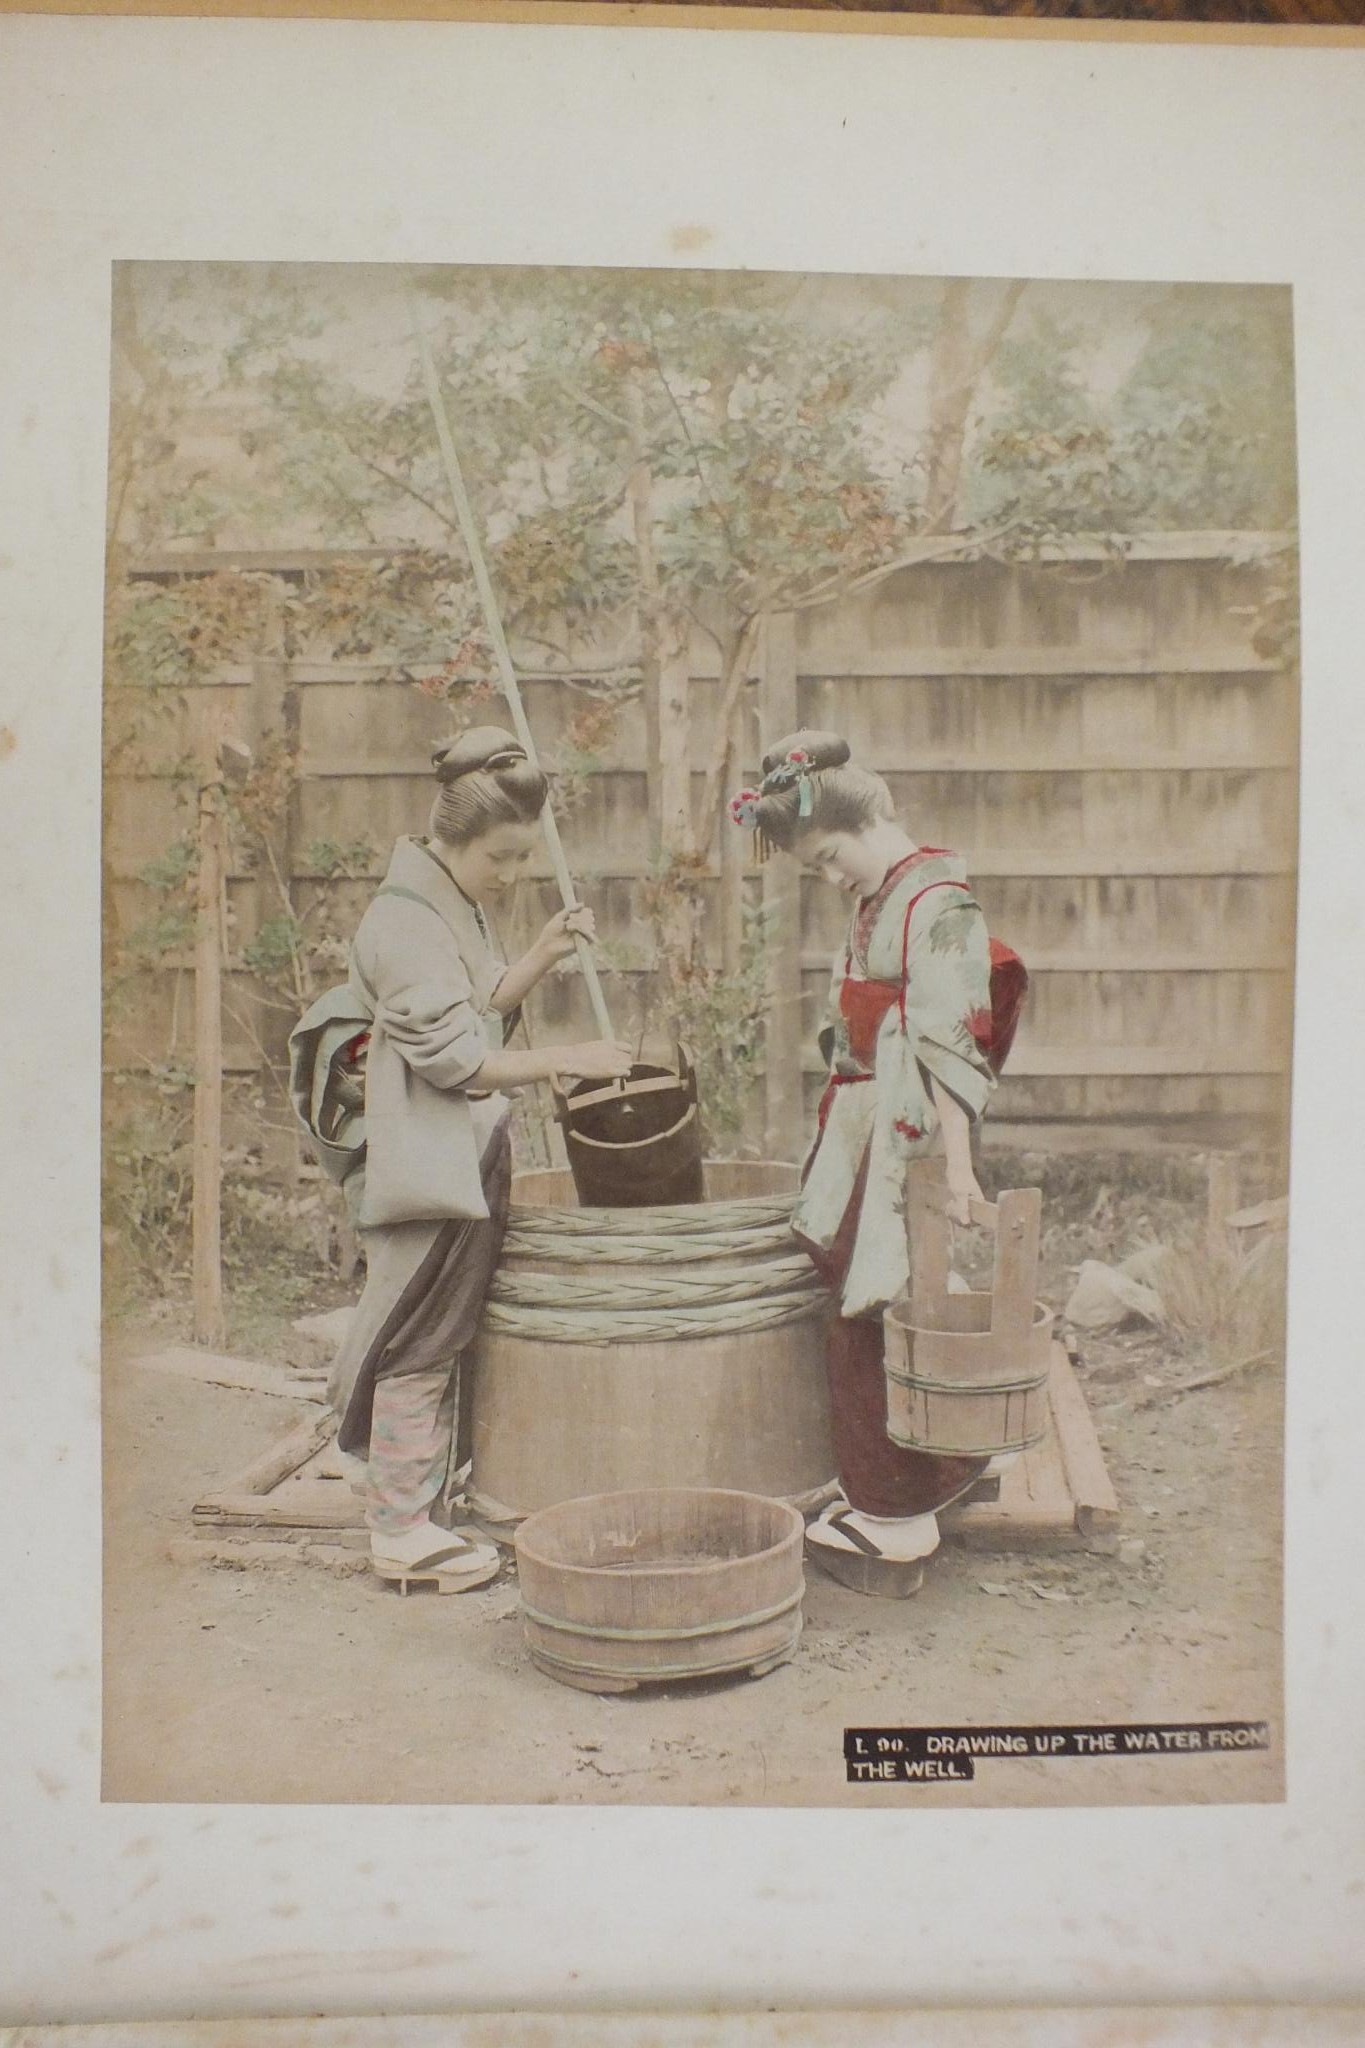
(784, 1108)
(954, 375)
(639, 493)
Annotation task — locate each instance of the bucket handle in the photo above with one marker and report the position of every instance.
(685, 1079)
(612, 1091)
(1016, 1219)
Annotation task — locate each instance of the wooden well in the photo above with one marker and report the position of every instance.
(553, 1419)
(624, 1589)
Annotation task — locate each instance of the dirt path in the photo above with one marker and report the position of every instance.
(292, 1682)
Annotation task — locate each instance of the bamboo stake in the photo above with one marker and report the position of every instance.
(464, 513)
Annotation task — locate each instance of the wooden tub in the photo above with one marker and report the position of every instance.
(625, 1589)
(559, 1411)
(956, 1390)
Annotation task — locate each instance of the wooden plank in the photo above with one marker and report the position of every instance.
(987, 863)
(322, 1504)
(269, 1549)
(1000, 1134)
(1034, 1509)
(1006, 663)
(1028, 1059)
(211, 1368)
(1102, 961)
(1058, 1495)
(1087, 1476)
(1208, 760)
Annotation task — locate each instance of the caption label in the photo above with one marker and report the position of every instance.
(950, 1755)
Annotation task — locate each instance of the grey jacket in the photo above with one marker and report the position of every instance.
(423, 975)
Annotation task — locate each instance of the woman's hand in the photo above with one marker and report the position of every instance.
(597, 1059)
(556, 942)
(963, 1190)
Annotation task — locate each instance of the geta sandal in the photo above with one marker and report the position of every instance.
(456, 1565)
(864, 1569)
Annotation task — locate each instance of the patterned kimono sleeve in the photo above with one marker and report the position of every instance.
(948, 995)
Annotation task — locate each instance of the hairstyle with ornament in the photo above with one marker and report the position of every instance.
(810, 784)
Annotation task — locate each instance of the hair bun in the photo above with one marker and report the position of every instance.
(482, 747)
(821, 750)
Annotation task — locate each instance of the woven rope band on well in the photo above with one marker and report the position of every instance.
(542, 1241)
(696, 1220)
(650, 1326)
(690, 1287)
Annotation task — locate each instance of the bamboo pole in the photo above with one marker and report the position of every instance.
(464, 513)
(209, 1327)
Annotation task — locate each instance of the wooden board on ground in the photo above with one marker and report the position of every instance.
(1058, 1495)
(296, 1488)
(217, 1369)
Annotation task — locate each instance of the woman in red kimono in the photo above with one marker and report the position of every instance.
(913, 1046)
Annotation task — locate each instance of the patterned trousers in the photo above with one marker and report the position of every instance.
(410, 1384)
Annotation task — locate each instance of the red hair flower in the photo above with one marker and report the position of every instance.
(744, 809)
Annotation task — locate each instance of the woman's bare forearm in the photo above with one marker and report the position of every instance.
(515, 1069)
(517, 982)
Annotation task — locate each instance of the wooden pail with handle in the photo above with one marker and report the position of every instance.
(635, 1144)
(967, 1373)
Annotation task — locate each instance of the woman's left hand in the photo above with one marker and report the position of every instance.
(963, 1190)
(556, 942)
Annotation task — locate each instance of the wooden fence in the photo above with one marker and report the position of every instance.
(1100, 740)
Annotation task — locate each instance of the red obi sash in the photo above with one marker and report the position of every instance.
(863, 1004)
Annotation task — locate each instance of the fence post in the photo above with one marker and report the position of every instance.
(209, 1327)
(273, 730)
(782, 909)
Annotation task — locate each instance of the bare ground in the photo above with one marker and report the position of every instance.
(293, 1681)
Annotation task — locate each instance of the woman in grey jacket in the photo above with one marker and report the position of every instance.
(430, 1197)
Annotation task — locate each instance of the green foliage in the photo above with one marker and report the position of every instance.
(328, 857)
(170, 931)
(275, 946)
(148, 1180)
(719, 1017)
(173, 868)
(1199, 433)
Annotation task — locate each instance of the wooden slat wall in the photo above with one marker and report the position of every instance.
(1117, 763)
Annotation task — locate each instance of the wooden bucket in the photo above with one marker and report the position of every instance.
(625, 1589)
(552, 1420)
(635, 1143)
(966, 1374)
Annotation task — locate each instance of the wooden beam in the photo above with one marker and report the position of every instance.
(284, 1457)
(1233, 545)
(936, 761)
(1077, 1060)
(320, 1504)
